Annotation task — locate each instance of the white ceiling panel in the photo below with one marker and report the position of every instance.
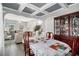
(28, 10)
(11, 5)
(53, 8)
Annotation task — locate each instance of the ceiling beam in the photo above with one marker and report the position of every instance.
(21, 8)
(43, 8)
(63, 5)
(45, 12)
(33, 6)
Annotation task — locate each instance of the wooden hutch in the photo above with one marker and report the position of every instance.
(67, 24)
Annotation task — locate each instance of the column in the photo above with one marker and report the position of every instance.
(1, 31)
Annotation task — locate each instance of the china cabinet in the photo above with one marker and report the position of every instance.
(67, 24)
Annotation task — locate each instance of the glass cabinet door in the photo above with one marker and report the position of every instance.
(57, 27)
(75, 24)
(64, 26)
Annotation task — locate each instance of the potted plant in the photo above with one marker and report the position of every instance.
(38, 30)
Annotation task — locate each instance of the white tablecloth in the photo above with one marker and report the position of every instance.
(43, 49)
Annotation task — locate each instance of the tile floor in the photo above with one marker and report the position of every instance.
(12, 49)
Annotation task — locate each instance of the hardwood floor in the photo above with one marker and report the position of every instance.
(12, 49)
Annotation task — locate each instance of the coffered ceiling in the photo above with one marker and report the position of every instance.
(36, 9)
